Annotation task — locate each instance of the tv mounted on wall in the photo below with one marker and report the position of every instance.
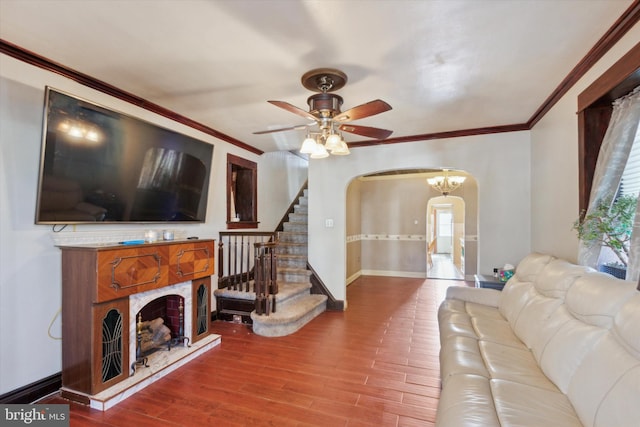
(101, 166)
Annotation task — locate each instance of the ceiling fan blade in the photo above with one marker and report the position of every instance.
(365, 110)
(367, 131)
(299, 127)
(293, 109)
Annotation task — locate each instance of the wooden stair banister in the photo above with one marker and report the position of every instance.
(236, 260)
(236, 272)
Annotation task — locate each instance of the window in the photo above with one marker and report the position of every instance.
(630, 183)
(594, 113)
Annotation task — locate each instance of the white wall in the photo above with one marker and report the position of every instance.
(281, 175)
(554, 159)
(30, 286)
(500, 163)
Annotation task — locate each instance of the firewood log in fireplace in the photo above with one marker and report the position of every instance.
(155, 334)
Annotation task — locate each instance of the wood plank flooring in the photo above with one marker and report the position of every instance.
(443, 268)
(375, 364)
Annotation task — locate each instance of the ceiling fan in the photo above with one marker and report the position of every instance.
(324, 107)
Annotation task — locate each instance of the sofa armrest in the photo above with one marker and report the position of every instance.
(485, 296)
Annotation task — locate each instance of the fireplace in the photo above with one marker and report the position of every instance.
(106, 288)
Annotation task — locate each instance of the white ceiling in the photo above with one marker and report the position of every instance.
(443, 65)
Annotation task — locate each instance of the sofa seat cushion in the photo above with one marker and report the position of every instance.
(476, 401)
(461, 355)
(456, 324)
(528, 406)
(473, 320)
(479, 310)
(514, 364)
(467, 401)
(497, 331)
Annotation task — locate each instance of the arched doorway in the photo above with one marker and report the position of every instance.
(386, 224)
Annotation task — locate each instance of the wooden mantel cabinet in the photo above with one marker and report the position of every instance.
(97, 281)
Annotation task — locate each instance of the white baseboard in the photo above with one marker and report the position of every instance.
(353, 277)
(410, 274)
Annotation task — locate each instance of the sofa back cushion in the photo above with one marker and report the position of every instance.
(596, 298)
(605, 389)
(557, 276)
(519, 289)
(591, 305)
(531, 265)
(549, 289)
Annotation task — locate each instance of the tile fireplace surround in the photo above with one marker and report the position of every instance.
(105, 281)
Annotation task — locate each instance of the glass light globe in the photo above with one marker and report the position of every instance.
(319, 152)
(342, 150)
(308, 145)
(333, 142)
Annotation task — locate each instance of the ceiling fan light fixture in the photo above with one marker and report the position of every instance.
(342, 150)
(319, 152)
(325, 113)
(333, 142)
(308, 145)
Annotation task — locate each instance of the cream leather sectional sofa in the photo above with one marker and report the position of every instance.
(559, 346)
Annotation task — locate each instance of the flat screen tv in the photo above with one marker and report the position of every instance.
(101, 166)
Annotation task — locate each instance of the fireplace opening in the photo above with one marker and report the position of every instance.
(166, 308)
(159, 326)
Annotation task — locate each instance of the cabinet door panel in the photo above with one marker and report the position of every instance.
(110, 344)
(201, 301)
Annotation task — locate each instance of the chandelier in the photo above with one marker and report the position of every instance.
(325, 142)
(445, 184)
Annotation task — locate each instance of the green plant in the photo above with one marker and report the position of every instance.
(610, 225)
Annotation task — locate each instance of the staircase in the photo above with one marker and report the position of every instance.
(295, 305)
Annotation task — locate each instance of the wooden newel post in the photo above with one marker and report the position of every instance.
(220, 262)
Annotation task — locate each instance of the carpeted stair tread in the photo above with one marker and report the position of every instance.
(284, 270)
(290, 290)
(229, 293)
(291, 244)
(291, 234)
(290, 317)
(292, 257)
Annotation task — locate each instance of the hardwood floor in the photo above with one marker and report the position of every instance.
(375, 364)
(443, 268)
